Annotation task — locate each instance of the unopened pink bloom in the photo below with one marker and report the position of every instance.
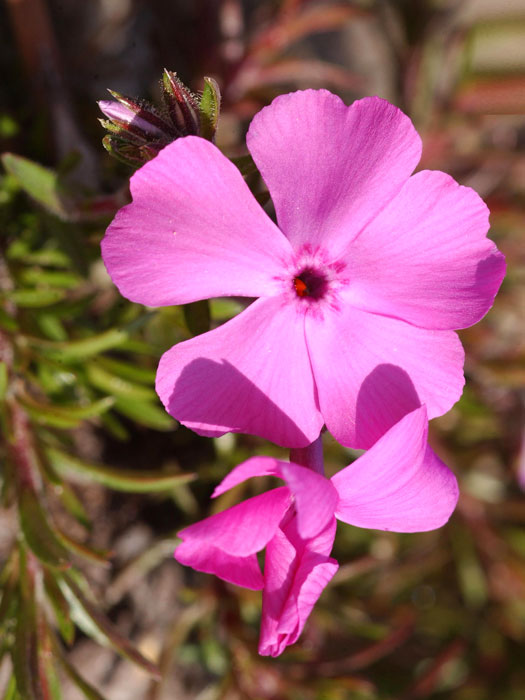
(120, 114)
(358, 289)
(399, 484)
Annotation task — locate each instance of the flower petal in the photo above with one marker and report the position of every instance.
(315, 497)
(203, 556)
(243, 529)
(371, 370)
(295, 574)
(279, 569)
(425, 258)
(251, 375)
(313, 575)
(120, 113)
(331, 168)
(399, 484)
(193, 231)
(255, 466)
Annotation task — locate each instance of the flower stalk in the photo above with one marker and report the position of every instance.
(310, 456)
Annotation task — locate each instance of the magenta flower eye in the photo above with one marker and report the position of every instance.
(359, 285)
(310, 283)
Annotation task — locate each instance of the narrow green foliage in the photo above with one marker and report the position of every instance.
(7, 322)
(86, 688)
(51, 326)
(40, 183)
(53, 378)
(65, 416)
(114, 426)
(117, 386)
(47, 257)
(80, 350)
(118, 479)
(60, 607)
(35, 298)
(126, 370)
(96, 625)
(11, 692)
(93, 556)
(25, 656)
(48, 675)
(73, 505)
(52, 677)
(39, 535)
(25, 650)
(51, 278)
(147, 414)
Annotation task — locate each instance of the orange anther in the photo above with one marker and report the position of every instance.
(300, 287)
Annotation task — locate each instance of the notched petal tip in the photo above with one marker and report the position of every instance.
(308, 140)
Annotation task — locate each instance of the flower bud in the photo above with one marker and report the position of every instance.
(138, 130)
(181, 105)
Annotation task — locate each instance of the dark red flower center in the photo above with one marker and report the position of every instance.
(310, 283)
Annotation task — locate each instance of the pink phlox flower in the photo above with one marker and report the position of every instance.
(399, 484)
(358, 289)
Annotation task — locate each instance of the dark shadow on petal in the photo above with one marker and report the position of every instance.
(490, 271)
(386, 395)
(217, 394)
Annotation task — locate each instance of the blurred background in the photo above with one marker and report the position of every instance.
(96, 477)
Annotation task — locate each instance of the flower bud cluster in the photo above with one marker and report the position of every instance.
(138, 130)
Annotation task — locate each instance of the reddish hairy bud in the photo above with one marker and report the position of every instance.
(138, 130)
